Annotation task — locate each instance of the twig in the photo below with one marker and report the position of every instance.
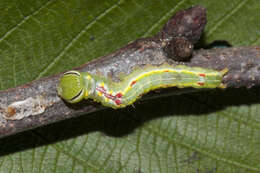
(37, 103)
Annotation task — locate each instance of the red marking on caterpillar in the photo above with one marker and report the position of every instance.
(132, 83)
(166, 71)
(104, 92)
(101, 89)
(118, 102)
(119, 95)
(202, 75)
(110, 96)
(200, 83)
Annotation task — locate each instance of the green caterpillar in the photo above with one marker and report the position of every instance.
(75, 86)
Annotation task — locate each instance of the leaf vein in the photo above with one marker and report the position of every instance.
(212, 155)
(25, 19)
(165, 16)
(21, 162)
(235, 9)
(59, 149)
(76, 38)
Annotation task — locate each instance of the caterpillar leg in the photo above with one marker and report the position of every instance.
(223, 72)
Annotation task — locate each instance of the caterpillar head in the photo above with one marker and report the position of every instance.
(71, 87)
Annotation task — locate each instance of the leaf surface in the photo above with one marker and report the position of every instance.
(215, 131)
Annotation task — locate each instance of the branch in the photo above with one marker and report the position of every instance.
(37, 103)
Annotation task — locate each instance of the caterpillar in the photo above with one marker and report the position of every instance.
(75, 86)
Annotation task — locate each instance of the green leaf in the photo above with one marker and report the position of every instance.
(203, 132)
